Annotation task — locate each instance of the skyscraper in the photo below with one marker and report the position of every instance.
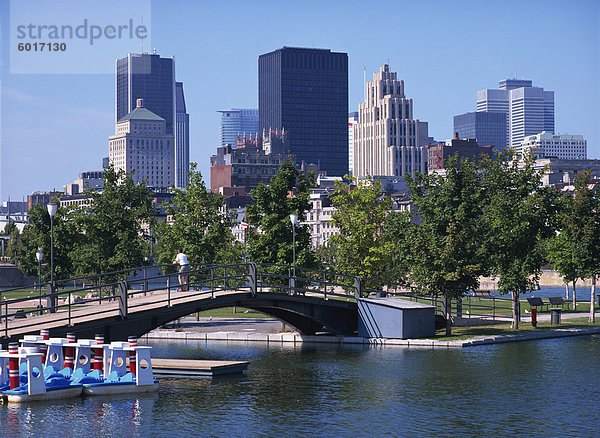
(388, 140)
(237, 121)
(305, 92)
(529, 110)
(488, 128)
(149, 77)
(182, 138)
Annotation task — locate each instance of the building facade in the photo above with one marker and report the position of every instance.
(182, 138)
(549, 145)
(90, 180)
(389, 141)
(237, 122)
(305, 92)
(352, 122)
(488, 128)
(235, 171)
(462, 147)
(529, 110)
(142, 145)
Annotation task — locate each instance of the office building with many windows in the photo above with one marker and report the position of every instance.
(529, 110)
(305, 92)
(141, 145)
(549, 145)
(488, 128)
(352, 122)
(389, 141)
(182, 138)
(236, 122)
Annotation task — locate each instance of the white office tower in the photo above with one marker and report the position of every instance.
(352, 122)
(548, 145)
(141, 145)
(529, 110)
(182, 138)
(388, 140)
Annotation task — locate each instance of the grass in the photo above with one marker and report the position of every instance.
(228, 312)
(463, 333)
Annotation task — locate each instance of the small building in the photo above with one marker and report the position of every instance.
(437, 154)
(549, 145)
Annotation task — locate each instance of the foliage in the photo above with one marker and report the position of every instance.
(517, 218)
(446, 249)
(199, 226)
(271, 241)
(36, 234)
(360, 211)
(113, 237)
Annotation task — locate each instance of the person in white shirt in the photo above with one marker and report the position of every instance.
(184, 268)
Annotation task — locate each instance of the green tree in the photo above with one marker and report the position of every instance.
(360, 211)
(583, 224)
(199, 226)
(36, 234)
(288, 192)
(446, 248)
(518, 216)
(112, 225)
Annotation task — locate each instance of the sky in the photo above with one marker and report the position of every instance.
(55, 125)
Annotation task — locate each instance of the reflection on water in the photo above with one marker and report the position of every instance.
(543, 388)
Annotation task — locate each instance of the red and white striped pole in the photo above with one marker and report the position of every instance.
(13, 364)
(99, 353)
(45, 334)
(132, 343)
(70, 351)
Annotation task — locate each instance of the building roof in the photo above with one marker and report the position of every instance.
(141, 113)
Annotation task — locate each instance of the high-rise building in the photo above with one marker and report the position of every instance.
(149, 77)
(352, 122)
(182, 138)
(305, 92)
(141, 145)
(388, 140)
(488, 128)
(529, 110)
(237, 122)
(548, 145)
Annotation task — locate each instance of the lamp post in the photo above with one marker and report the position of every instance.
(39, 255)
(52, 207)
(293, 220)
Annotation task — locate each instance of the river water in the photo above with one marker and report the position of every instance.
(539, 388)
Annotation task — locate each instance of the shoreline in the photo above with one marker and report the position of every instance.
(271, 334)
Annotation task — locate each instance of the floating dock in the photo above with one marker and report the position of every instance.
(198, 368)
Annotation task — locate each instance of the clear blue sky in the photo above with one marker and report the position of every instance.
(55, 126)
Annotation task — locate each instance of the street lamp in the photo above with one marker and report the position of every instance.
(39, 255)
(52, 207)
(293, 220)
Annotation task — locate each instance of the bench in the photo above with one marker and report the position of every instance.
(537, 302)
(558, 301)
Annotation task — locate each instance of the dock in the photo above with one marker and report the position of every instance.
(198, 368)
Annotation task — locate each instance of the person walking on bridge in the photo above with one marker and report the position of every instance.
(184, 268)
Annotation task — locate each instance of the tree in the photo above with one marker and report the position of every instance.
(446, 249)
(360, 211)
(112, 225)
(517, 218)
(36, 234)
(288, 192)
(583, 224)
(200, 227)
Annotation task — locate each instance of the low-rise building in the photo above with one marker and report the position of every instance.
(549, 145)
(437, 154)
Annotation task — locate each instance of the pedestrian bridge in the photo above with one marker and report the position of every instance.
(134, 302)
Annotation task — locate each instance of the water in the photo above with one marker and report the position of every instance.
(583, 293)
(542, 388)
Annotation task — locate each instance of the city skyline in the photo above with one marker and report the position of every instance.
(451, 56)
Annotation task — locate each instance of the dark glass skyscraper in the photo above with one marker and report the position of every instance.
(488, 128)
(149, 77)
(305, 92)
